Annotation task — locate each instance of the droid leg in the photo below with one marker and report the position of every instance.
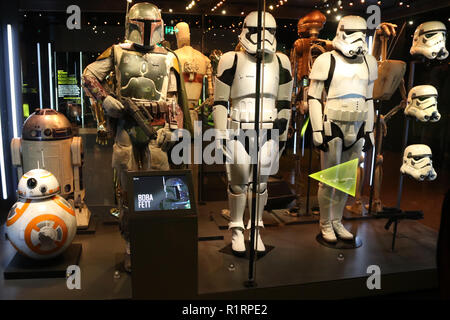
(238, 172)
(82, 212)
(326, 194)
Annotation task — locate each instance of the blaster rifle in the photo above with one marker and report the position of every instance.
(394, 215)
(142, 117)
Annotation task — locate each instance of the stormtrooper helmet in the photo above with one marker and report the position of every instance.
(417, 162)
(350, 36)
(249, 33)
(37, 184)
(429, 40)
(144, 26)
(422, 103)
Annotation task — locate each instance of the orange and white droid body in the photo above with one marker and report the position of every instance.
(41, 224)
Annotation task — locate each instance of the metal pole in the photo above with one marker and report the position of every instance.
(412, 66)
(251, 280)
(377, 150)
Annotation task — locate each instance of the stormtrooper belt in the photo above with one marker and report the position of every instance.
(339, 111)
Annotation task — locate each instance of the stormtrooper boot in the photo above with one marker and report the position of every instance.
(327, 231)
(325, 197)
(338, 211)
(262, 200)
(341, 231)
(237, 203)
(237, 241)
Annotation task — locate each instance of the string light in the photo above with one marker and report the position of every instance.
(190, 5)
(218, 5)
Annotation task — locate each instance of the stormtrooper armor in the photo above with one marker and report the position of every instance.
(41, 224)
(345, 126)
(417, 162)
(429, 40)
(235, 81)
(147, 77)
(422, 104)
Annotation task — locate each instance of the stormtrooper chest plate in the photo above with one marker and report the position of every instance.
(143, 76)
(243, 89)
(349, 78)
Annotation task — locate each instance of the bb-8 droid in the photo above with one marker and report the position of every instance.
(41, 224)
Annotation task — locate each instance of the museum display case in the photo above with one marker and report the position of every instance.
(227, 149)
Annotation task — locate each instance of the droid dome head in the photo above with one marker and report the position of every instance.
(311, 24)
(144, 26)
(417, 162)
(249, 34)
(422, 103)
(46, 124)
(38, 184)
(176, 190)
(350, 36)
(429, 40)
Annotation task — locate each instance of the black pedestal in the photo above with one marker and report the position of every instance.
(163, 256)
(246, 254)
(340, 244)
(22, 267)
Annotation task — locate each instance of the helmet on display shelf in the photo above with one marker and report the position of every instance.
(422, 103)
(429, 40)
(144, 25)
(46, 124)
(350, 36)
(249, 34)
(417, 162)
(38, 184)
(41, 224)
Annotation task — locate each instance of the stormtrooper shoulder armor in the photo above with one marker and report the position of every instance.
(227, 67)
(285, 68)
(321, 67)
(372, 65)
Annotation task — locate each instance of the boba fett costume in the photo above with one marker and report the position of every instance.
(147, 84)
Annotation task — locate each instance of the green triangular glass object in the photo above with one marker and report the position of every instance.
(341, 176)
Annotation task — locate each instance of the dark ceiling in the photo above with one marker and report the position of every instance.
(290, 9)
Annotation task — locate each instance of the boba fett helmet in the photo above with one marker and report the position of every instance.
(144, 26)
(176, 190)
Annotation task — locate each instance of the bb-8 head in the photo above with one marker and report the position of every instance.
(41, 224)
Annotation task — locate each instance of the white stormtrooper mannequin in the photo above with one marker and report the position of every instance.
(429, 40)
(235, 81)
(417, 162)
(422, 103)
(346, 124)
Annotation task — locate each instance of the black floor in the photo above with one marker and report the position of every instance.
(296, 260)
